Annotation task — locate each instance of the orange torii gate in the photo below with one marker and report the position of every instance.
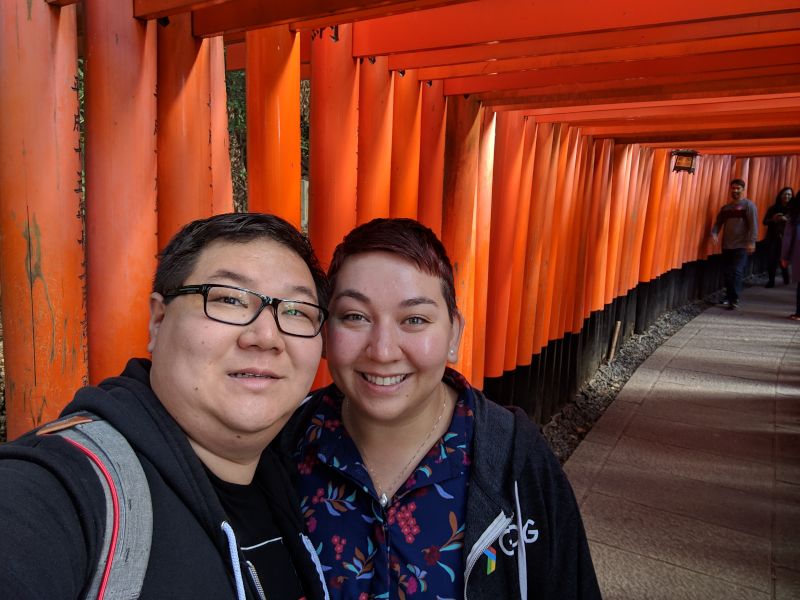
(548, 176)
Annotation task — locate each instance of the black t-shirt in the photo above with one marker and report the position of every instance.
(248, 508)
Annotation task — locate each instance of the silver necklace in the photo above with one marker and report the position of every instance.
(382, 497)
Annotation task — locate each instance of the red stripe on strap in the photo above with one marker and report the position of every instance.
(115, 503)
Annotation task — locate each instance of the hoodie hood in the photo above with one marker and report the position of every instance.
(129, 404)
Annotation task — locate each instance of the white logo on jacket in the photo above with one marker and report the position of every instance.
(510, 538)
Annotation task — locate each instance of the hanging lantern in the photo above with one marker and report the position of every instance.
(685, 160)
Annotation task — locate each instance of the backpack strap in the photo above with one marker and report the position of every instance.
(125, 550)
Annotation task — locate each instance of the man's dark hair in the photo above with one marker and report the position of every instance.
(177, 261)
(406, 238)
(738, 182)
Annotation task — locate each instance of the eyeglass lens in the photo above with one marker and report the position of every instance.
(239, 307)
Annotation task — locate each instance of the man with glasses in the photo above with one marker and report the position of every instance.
(235, 319)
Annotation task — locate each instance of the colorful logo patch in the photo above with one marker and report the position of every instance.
(491, 560)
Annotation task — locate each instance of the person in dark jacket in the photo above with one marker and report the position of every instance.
(412, 483)
(775, 220)
(790, 250)
(230, 364)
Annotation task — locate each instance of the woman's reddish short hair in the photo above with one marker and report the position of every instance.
(406, 238)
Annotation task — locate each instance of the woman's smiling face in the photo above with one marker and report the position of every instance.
(389, 336)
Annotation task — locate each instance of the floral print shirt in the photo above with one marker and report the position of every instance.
(413, 548)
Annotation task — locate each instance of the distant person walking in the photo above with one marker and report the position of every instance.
(775, 219)
(790, 252)
(739, 219)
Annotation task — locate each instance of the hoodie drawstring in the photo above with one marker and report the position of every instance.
(233, 548)
(522, 561)
(317, 565)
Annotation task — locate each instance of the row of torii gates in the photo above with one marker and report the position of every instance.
(534, 138)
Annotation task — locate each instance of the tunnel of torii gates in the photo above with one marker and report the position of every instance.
(535, 138)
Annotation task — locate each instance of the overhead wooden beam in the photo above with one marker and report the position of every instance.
(634, 113)
(243, 15)
(689, 137)
(758, 150)
(155, 9)
(708, 145)
(572, 42)
(699, 125)
(583, 94)
(714, 65)
(681, 50)
(497, 20)
(739, 147)
(722, 101)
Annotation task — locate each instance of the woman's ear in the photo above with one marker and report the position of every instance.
(455, 337)
(157, 311)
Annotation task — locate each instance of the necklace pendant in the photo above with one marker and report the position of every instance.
(384, 500)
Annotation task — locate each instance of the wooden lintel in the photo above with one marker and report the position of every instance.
(155, 9)
(577, 42)
(684, 110)
(243, 15)
(686, 50)
(693, 137)
(665, 88)
(709, 66)
(494, 21)
(698, 126)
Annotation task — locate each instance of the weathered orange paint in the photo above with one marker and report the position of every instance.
(404, 187)
(41, 253)
(184, 128)
(120, 183)
(273, 122)
(375, 106)
(431, 156)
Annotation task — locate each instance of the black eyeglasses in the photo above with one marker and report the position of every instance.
(239, 306)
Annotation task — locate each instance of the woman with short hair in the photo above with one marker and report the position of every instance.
(412, 482)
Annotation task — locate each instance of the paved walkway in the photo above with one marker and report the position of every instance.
(690, 482)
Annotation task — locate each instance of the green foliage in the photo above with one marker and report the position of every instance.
(305, 112)
(237, 134)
